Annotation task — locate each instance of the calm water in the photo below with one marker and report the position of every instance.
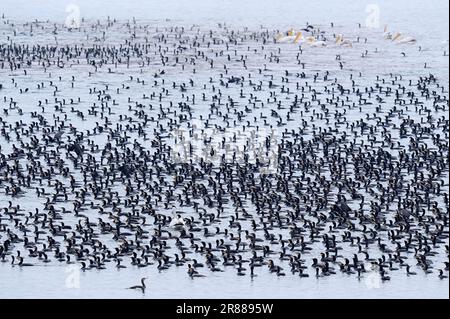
(425, 20)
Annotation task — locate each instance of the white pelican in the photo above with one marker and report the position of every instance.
(297, 37)
(290, 38)
(314, 43)
(340, 40)
(398, 38)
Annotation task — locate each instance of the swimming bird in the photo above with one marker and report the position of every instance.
(141, 287)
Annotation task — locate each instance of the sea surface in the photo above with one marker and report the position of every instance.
(427, 21)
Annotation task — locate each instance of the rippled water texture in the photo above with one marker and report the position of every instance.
(427, 21)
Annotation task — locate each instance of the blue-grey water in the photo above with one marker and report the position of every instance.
(427, 21)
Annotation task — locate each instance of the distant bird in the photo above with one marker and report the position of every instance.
(141, 286)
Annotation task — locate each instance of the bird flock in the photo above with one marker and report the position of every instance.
(127, 144)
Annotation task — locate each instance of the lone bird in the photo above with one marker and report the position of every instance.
(141, 287)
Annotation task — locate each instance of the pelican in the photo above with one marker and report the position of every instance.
(399, 38)
(290, 38)
(340, 40)
(315, 43)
